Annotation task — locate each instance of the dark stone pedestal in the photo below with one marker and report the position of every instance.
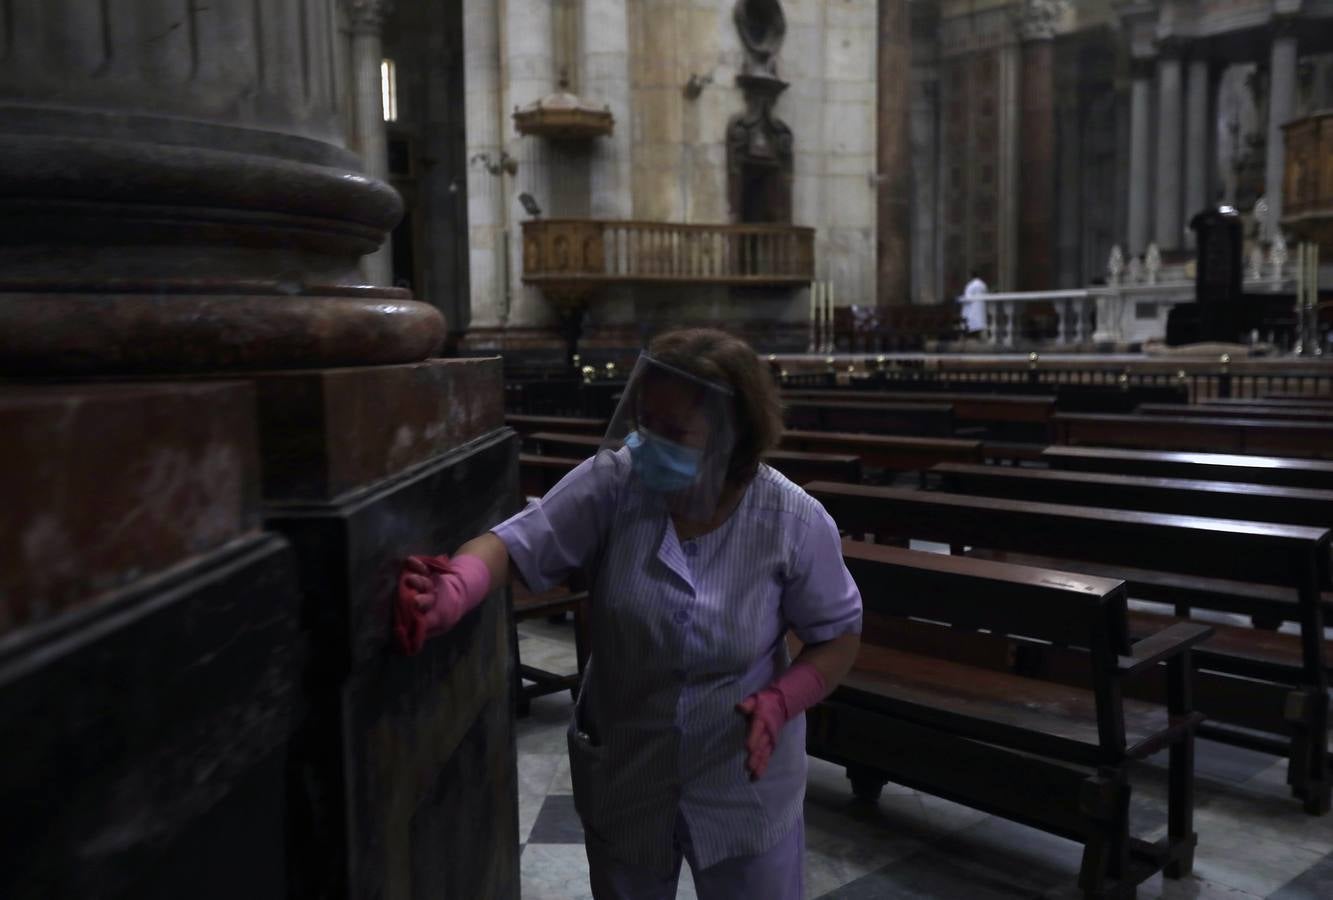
(404, 768)
(146, 735)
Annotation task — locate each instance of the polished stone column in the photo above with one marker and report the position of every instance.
(366, 20)
(606, 80)
(175, 194)
(1281, 106)
(893, 154)
(1167, 229)
(486, 175)
(530, 65)
(1037, 163)
(1140, 175)
(1198, 105)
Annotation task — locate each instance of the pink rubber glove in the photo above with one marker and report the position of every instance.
(434, 592)
(795, 691)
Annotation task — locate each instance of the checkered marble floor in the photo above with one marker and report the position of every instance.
(1254, 841)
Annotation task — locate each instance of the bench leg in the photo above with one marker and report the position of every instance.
(1180, 773)
(867, 784)
(1307, 771)
(1180, 808)
(1105, 800)
(522, 706)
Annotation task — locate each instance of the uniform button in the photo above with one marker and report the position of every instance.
(691, 549)
(681, 617)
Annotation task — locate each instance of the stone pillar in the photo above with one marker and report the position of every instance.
(1198, 107)
(1281, 107)
(893, 154)
(1008, 197)
(606, 80)
(366, 19)
(486, 159)
(925, 181)
(1167, 229)
(177, 195)
(1037, 164)
(176, 198)
(1140, 175)
(530, 65)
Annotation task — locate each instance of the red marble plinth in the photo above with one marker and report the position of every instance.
(326, 432)
(103, 485)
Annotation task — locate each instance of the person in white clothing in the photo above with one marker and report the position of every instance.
(974, 309)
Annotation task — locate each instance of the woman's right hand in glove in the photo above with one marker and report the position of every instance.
(434, 592)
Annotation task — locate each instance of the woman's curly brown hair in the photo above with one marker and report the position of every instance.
(726, 359)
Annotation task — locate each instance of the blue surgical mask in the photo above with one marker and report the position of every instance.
(662, 465)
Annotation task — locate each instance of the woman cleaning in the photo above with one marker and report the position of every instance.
(688, 737)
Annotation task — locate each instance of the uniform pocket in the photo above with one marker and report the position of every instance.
(588, 772)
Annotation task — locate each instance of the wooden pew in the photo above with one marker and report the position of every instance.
(1267, 403)
(525, 424)
(537, 474)
(1008, 408)
(800, 467)
(1270, 695)
(1307, 473)
(888, 452)
(553, 603)
(1278, 436)
(924, 419)
(1191, 497)
(921, 711)
(1302, 399)
(1293, 413)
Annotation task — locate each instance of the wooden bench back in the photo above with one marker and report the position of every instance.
(1291, 438)
(892, 452)
(1291, 472)
(1190, 545)
(799, 467)
(925, 419)
(1191, 497)
(971, 407)
(1020, 601)
(1252, 411)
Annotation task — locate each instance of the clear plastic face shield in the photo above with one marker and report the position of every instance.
(679, 431)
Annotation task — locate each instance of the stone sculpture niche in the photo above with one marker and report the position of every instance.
(759, 144)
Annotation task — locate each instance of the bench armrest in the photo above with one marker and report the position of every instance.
(1166, 643)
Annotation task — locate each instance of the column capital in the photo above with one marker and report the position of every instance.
(1037, 20)
(367, 16)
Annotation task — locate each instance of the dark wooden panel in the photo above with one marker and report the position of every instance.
(382, 728)
(147, 734)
